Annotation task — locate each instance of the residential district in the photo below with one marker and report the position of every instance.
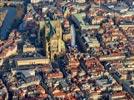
(66, 49)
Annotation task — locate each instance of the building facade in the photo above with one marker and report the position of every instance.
(54, 44)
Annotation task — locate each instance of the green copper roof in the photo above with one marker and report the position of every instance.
(79, 17)
(83, 25)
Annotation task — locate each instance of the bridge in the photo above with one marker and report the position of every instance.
(11, 2)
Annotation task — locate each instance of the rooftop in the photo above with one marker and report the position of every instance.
(84, 25)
